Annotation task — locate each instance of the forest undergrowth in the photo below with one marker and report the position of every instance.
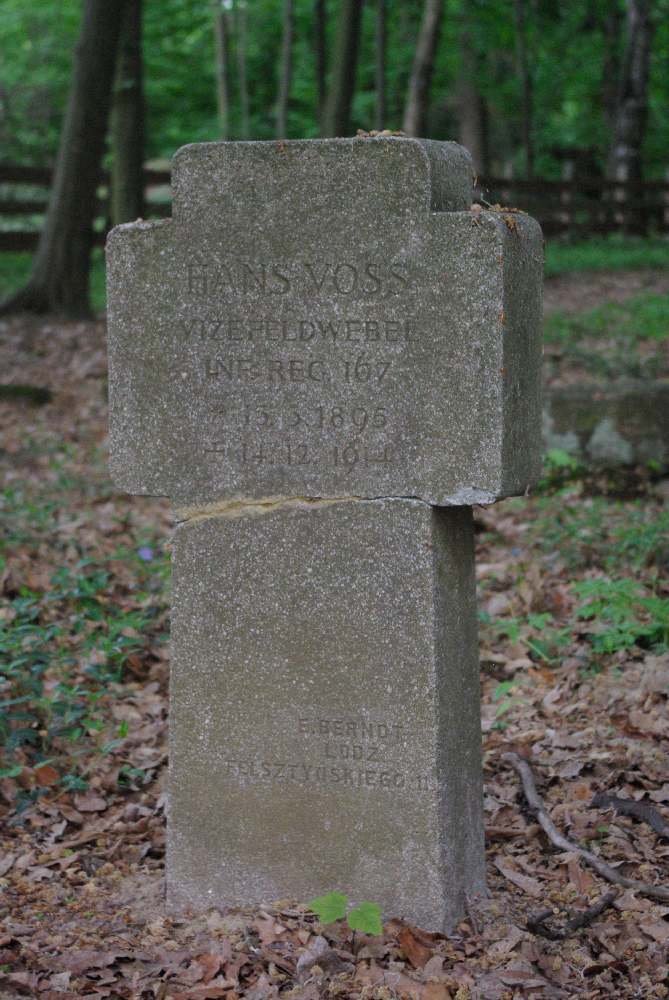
(574, 638)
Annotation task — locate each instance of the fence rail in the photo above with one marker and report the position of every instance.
(585, 206)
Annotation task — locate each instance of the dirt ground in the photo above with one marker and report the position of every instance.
(82, 872)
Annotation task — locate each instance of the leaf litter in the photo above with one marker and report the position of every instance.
(82, 797)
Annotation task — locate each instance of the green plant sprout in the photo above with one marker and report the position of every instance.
(366, 917)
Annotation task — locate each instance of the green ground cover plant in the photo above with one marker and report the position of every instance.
(67, 634)
(612, 253)
(334, 906)
(605, 341)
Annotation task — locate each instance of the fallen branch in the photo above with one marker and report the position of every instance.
(536, 923)
(642, 811)
(536, 807)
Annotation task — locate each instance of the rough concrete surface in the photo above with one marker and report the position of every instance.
(320, 345)
(325, 319)
(324, 711)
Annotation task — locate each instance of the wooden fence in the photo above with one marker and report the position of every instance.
(584, 207)
(24, 193)
(569, 209)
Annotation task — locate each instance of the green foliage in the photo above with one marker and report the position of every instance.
(604, 534)
(330, 907)
(64, 646)
(15, 268)
(502, 695)
(541, 636)
(604, 341)
(623, 615)
(614, 253)
(366, 917)
(564, 40)
(559, 468)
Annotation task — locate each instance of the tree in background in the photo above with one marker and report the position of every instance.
(344, 65)
(127, 120)
(611, 31)
(241, 26)
(380, 64)
(320, 59)
(625, 162)
(58, 281)
(526, 84)
(285, 71)
(222, 36)
(471, 106)
(418, 96)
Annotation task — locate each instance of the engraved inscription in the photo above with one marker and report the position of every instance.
(278, 772)
(356, 419)
(282, 371)
(356, 753)
(300, 330)
(337, 342)
(206, 277)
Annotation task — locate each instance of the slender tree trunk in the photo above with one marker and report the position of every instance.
(221, 41)
(418, 96)
(612, 28)
(472, 110)
(344, 66)
(241, 68)
(286, 71)
(527, 90)
(319, 52)
(59, 279)
(380, 64)
(127, 120)
(625, 163)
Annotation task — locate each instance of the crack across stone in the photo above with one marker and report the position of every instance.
(258, 508)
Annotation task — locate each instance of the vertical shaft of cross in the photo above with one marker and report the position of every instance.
(324, 708)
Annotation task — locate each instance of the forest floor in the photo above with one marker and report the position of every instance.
(575, 681)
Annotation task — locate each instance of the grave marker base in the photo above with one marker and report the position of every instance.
(324, 718)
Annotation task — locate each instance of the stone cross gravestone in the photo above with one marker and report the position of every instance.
(324, 359)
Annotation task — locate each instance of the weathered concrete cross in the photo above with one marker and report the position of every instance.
(324, 359)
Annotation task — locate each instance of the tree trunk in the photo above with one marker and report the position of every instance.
(286, 71)
(127, 120)
(612, 28)
(418, 96)
(221, 33)
(344, 65)
(241, 68)
(380, 64)
(319, 52)
(625, 162)
(59, 279)
(472, 110)
(527, 91)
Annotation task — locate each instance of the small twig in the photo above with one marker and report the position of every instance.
(536, 923)
(642, 811)
(587, 916)
(536, 807)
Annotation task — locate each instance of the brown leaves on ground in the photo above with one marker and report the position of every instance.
(81, 870)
